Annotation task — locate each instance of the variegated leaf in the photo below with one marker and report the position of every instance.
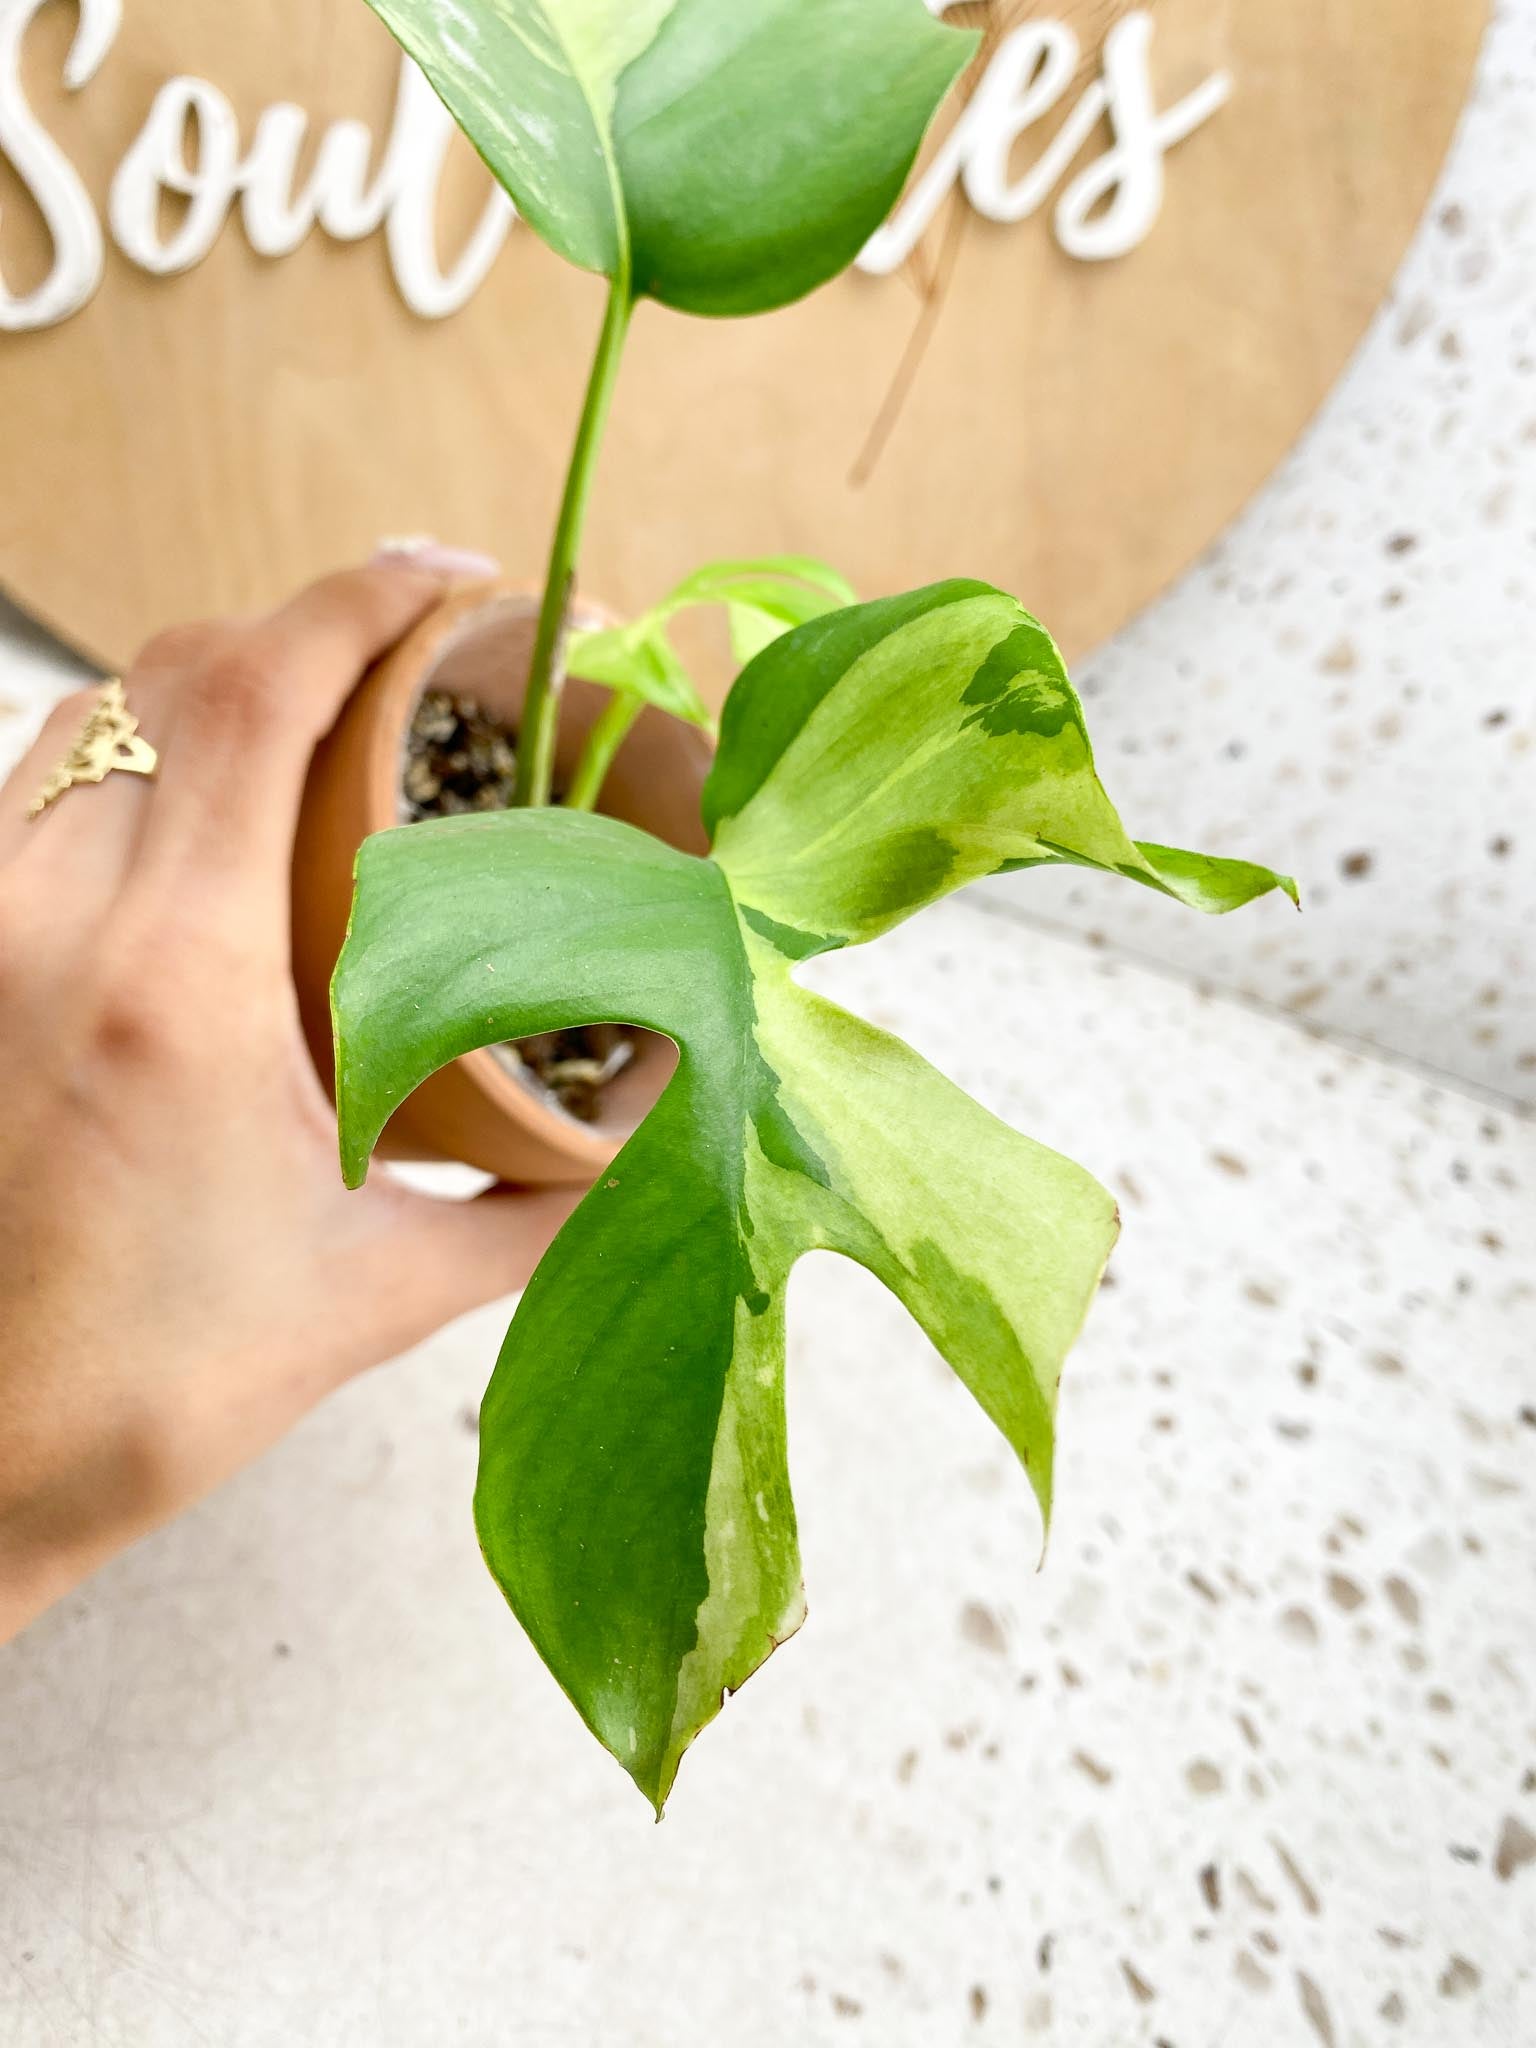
(890, 753)
(720, 156)
(633, 1501)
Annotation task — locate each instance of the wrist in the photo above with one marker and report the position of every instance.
(50, 1541)
(30, 1580)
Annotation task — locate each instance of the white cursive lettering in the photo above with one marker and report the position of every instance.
(338, 197)
(1130, 175)
(45, 171)
(1111, 207)
(423, 131)
(190, 151)
(158, 163)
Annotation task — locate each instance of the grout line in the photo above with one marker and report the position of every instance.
(1259, 1006)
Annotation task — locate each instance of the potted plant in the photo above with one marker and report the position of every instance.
(633, 1500)
(446, 707)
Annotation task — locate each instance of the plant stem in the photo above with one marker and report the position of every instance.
(546, 675)
(603, 743)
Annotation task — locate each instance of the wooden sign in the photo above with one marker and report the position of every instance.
(259, 306)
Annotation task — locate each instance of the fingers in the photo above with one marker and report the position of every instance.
(442, 1259)
(489, 1247)
(80, 846)
(250, 714)
(26, 779)
(234, 711)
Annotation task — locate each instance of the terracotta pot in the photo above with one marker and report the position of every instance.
(477, 644)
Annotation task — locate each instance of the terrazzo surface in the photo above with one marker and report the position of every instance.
(1346, 682)
(1252, 1762)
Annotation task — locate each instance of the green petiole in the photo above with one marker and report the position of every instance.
(603, 743)
(546, 675)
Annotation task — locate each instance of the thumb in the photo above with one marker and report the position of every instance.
(441, 1258)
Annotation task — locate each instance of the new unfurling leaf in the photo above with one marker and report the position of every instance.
(634, 1501)
(762, 601)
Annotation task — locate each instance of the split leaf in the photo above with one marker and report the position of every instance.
(634, 1501)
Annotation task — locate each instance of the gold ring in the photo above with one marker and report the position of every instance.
(108, 743)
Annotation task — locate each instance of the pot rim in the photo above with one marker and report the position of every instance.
(418, 659)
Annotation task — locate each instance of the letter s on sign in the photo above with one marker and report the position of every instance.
(46, 172)
(1111, 208)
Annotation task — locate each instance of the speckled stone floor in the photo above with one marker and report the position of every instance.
(1251, 1763)
(1348, 673)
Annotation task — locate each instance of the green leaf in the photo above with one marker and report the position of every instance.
(878, 758)
(762, 600)
(720, 582)
(641, 661)
(634, 1502)
(725, 157)
(611, 942)
(752, 629)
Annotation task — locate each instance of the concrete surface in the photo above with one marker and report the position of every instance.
(1236, 1769)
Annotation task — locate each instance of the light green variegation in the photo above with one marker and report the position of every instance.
(899, 750)
(634, 1501)
(725, 157)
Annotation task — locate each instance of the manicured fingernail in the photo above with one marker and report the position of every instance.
(421, 551)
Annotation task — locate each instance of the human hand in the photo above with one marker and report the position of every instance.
(182, 1274)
